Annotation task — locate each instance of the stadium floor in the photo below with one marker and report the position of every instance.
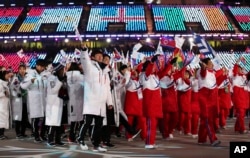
(180, 147)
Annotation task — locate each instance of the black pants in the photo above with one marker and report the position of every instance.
(96, 137)
(74, 127)
(106, 130)
(36, 127)
(20, 126)
(126, 125)
(54, 134)
(1, 131)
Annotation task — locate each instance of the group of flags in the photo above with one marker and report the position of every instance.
(174, 44)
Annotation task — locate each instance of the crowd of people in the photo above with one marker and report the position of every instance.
(95, 97)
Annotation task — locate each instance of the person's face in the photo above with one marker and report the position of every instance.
(134, 74)
(8, 76)
(124, 70)
(22, 70)
(186, 75)
(40, 68)
(3, 69)
(241, 70)
(98, 57)
(210, 65)
(106, 60)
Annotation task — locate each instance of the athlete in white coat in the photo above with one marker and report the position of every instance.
(96, 95)
(19, 102)
(75, 106)
(4, 103)
(35, 83)
(54, 107)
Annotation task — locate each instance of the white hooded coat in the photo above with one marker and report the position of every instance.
(54, 104)
(36, 92)
(75, 89)
(96, 91)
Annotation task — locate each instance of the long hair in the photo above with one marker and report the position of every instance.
(74, 67)
(2, 75)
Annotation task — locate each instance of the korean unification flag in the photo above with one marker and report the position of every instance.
(208, 51)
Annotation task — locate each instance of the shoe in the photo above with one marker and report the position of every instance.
(223, 127)
(218, 131)
(24, 136)
(216, 143)
(44, 139)
(70, 141)
(100, 149)
(136, 134)
(37, 140)
(150, 146)
(118, 135)
(32, 135)
(188, 134)
(19, 136)
(108, 145)
(244, 132)
(202, 143)
(2, 137)
(195, 136)
(60, 143)
(64, 136)
(171, 136)
(51, 144)
(84, 147)
(130, 139)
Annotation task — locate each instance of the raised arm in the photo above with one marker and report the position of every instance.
(85, 61)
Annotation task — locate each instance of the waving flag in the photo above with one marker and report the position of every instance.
(138, 56)
(207, 51)
(137, 47)
(77, 53)
(64, 59)
(159, 49)
(179, 42)
(117, 56)
(135, 54)
(167, 42)
(180, 57)
(188, 58)
(20, 53)
(125, 59)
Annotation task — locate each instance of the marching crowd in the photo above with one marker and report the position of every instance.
(91, 97)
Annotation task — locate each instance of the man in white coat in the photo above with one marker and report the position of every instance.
(35, 84)
(96, 95)
(19, 102)
(54, 106)
(75, 91)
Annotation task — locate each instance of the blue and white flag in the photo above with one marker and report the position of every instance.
(207, 51)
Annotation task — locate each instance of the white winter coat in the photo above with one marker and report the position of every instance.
(75, 89)
(96, 91)
(119, 92)
(4, 105)
(54, 104)
(36, 92)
